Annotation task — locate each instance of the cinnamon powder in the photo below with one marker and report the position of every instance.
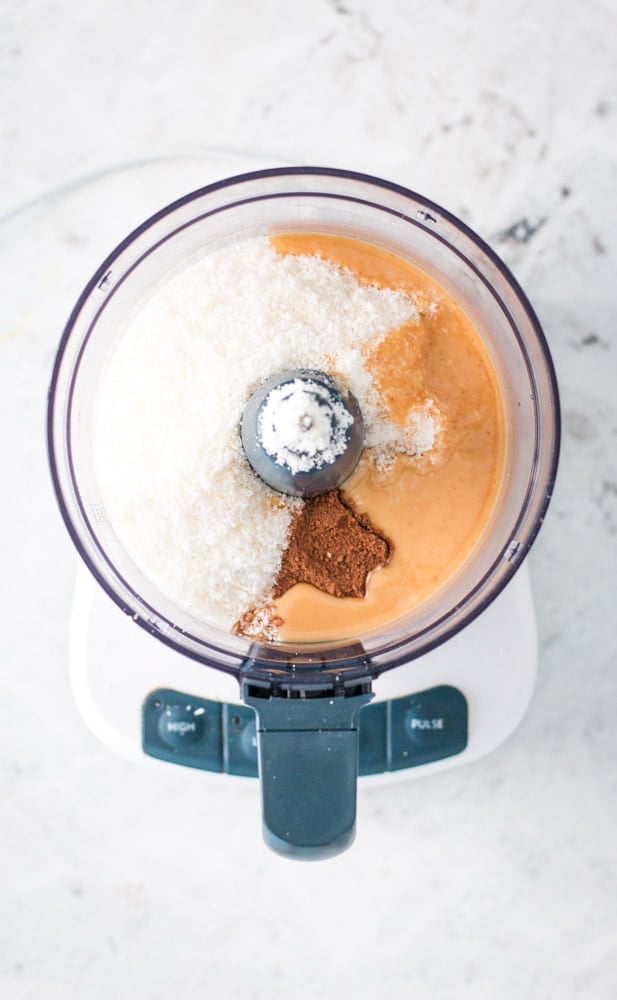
(332, 547)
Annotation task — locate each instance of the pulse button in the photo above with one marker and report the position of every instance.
(428, 726)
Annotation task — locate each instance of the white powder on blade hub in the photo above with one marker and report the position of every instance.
(174, 479)
(302, 426)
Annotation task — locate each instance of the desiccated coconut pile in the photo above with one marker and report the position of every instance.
(173, 477)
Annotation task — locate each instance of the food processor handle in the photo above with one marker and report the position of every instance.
(307, 749)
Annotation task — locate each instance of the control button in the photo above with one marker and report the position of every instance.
(180, 728)
(181, 725)
(373, 739)
(240, 740)
(427, 726)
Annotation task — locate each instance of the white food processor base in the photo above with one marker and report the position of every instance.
(456, 703)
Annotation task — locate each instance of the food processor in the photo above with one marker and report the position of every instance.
(440, 686)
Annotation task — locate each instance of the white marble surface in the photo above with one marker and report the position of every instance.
(494, 881)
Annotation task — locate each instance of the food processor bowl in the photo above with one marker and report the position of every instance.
(307, 696)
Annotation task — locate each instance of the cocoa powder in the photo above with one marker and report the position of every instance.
(332, 547)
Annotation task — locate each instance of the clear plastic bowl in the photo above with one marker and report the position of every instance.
(329, 201)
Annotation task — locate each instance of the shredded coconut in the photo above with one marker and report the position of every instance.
(173, 477)
(418, 437)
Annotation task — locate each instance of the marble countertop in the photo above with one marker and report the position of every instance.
(497, 880)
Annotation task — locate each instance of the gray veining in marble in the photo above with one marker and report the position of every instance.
(492, 882)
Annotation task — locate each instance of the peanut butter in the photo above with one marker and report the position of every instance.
(432, 509)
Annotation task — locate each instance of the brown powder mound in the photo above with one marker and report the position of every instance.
(331, 547)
